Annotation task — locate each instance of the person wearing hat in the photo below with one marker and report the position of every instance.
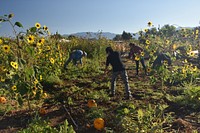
(75, 56)
(118, 68)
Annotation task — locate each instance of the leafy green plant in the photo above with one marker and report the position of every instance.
(190, 98)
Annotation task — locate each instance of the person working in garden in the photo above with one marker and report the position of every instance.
(118, 68)
(75, 56)
(160, 60)
(137, 53)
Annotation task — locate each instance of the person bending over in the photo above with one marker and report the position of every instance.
(75, 56)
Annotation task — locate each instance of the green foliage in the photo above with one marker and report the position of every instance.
(66, 128)
(190, 98)
(18, 24)
(32, 63)
(149, 119)
(38, 125)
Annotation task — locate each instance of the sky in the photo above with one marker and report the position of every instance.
(115, 16)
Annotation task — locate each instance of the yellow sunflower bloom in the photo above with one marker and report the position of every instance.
(14, 64)
(45, 28)
(48, 48)
(2, 79)
(37, 25)
(31, 39)
(174, 47)
(10, 15)
(185, 61)
(40, 77)
(142, 53)
(41, 42)
(194, 69)
(167, 41)
(1, 41)
(149, 24)
(52, 60)
(165, 62)
(6, 48)
(137, 58)
(197, 32)
(36, 81)
(14, 88)
(44, 95)
(192, 54)
(146, 30)
(148, 70)
(183, 70)
(147, 42)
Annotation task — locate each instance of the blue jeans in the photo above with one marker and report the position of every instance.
(124, 77)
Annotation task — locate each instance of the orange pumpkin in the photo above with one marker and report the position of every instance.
(99, 123)
(92, 103)
(2, 100)
(42, 111)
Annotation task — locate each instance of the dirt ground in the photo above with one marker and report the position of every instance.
(13, 121)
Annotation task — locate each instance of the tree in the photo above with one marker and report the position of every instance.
(168, 30)
(117, 38)
(126, 36)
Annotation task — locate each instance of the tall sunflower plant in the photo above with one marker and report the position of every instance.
(19, 57)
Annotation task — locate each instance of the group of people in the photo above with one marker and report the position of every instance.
(118, 68)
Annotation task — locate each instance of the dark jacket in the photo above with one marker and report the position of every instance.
(135, 50)
(115, 60)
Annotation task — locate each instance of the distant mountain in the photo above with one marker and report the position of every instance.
(92, 35)
(96, 35)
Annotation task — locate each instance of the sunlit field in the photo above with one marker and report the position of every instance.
(38, 95)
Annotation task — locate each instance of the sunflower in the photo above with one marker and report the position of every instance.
(167, 41)
(174, 47)
(14, 88)
(165, 62)
(146, 30)
(2, 79)
(185, 61)
(37, 25)
(190, 48)
(197, 32)
(36, 81)
(10, 15)
(6, 48)
(149, 24)
(183, 70)
(40, 77)
(41, 41)
(45, 28)
(142, 53)
(192, 54)
(48, 48)
(147, 42)
(148, 70)
(44, 95)
(31, 39)
(52, 60)
(194, 69)
(137, 58)
(14, 64)
(1, 41)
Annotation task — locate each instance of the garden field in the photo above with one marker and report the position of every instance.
(38, 95)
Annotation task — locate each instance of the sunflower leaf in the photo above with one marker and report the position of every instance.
(18, 24)
(33, 29)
